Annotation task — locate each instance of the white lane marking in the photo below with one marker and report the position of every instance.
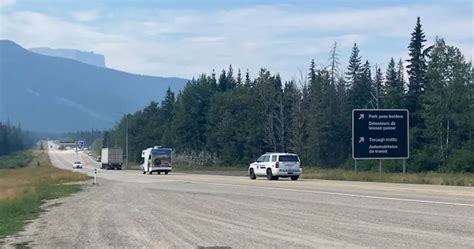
(344, 194)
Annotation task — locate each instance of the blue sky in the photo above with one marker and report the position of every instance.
(187, 38)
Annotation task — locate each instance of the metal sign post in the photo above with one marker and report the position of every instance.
(380, 134)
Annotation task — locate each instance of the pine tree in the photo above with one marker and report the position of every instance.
(247, 78)
(367, 85)
(416, 73)
(401, 77)
(394, 87)
(417, 83)
(223, 82)
(239, 78)
(354, 68)
(360, 89)
(379, 89)
(231, 83)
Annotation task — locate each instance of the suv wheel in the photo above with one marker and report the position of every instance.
(270, 175)
(294, 178)
(252, 175)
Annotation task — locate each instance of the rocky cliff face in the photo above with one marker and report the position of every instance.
(90, 58)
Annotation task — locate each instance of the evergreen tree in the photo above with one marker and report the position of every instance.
(416, 71)
(401, 76)
(379, 89)
(247, 78)
(190, 124)
(394, 87)
(417, 80)
(231, 83)
(354, 69)
(359, 81)
(167, 113)
(239, 78)
(223, 84)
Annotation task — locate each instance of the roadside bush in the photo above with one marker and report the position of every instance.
(196, 159)
(16, 160)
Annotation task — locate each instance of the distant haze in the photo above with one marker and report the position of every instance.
(48, 93)
(90, 58)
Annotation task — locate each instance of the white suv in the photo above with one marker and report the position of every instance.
(275, 165)
(77, 165)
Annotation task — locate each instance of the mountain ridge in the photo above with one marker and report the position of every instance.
(88, 57)
(38, 87)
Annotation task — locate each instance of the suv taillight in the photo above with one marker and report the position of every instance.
(277, 164)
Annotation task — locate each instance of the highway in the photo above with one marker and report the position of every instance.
(131, 210)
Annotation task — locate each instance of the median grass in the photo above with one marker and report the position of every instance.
(24, 190)
(435, 178)
(458, 179)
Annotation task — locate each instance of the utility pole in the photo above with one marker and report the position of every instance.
(126, 141)
(377, 99)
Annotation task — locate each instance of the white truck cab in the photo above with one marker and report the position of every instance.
(156, 159)
(275, 165)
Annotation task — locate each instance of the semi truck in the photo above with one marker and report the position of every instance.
(156, 159)
(111, 158)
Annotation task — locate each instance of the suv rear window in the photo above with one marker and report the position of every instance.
(289, 158)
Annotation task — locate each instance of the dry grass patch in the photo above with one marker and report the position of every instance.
(24, 190)
(17, 183)
(459, 179)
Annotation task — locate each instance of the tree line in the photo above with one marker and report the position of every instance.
(13, 139)
(237, 118)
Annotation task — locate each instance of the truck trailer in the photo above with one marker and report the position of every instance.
(112, 158)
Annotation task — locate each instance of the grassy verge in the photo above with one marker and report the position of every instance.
(459, 179)
(16, 160)
(22, 191)
(227, 170)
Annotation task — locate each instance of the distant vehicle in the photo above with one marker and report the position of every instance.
(89, 153)
(112, 158)
(77, 165)
(156, 159)
(276, 165)
(99, 159)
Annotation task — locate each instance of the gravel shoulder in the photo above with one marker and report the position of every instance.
(131, 210)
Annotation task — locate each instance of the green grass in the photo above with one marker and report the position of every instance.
(23, 190)
(14, 214)
(16, 160)
(458, 179)
(435, 178)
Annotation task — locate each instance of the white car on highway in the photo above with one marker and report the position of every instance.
(77, 165)
(275, 165)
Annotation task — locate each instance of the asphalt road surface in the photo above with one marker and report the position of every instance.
(131, 210)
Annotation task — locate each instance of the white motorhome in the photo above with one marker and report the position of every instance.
(156, 159)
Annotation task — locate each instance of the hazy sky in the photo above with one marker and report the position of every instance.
(187, 38)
